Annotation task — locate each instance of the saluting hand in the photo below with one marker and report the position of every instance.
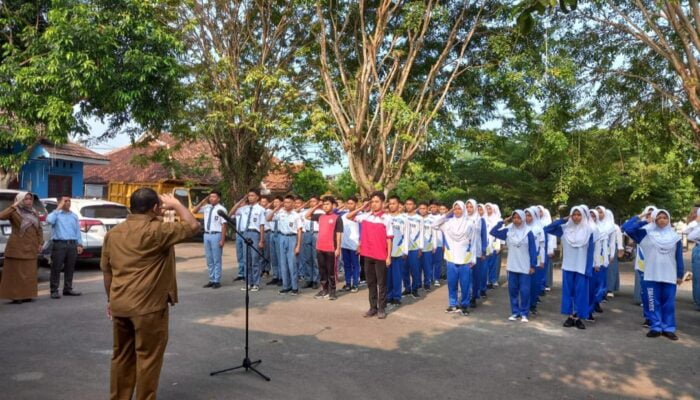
(507, 220)
(169, 202)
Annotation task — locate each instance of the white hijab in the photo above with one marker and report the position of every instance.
(546, 216)
(495, 217)
(474, 216)
(664, 239)
(518, 234)
(606, 226)
(458, 229)
(536, 224)
(577, 235)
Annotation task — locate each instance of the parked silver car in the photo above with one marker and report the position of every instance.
(7, 198)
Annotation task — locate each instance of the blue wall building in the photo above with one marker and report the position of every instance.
(53, 170)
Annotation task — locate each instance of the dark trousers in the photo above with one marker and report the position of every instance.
(63, 258)
(375, 270)
(326, 268)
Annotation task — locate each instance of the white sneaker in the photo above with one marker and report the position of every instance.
(255, 288)
(243, 288)
(437, 283)
(610, 295)
(524, 319)
(547, 289)
(513, 317)
(495, 284)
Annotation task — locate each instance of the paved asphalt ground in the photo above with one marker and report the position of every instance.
(313, 349)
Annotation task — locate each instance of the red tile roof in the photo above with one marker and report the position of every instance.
(199, 166)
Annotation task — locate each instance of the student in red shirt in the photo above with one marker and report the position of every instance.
(376, 235)
(330, 234)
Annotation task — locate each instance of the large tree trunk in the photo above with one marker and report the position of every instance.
(6, 177)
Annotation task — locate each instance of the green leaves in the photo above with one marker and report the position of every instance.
(308, 182)
(114, 60)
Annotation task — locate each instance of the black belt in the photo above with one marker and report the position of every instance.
(65, 241)
(252, 230)
(288, 234)
(212, 232)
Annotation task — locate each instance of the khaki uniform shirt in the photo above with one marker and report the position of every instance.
(139, 253)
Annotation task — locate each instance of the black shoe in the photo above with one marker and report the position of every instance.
(208, 285)
(273, 281)
(464, 310)
(320, 294)
(569, 323)
(415, 294)
(216, 285)
(653, 334)
(427, 289)
(598, 309)
(27, 300)
(483, 294)
(451, 309)
(279, 282)
(533, 310)
(670, 335)
(238, 278)
(579, 324)
(346, 288)
(16, 302)
(472, 303)
(284, 291)
(406, 292)
(332, 296)
(590, 318)
(71, 292)
(308, 285)
(489, 286)
(315, 285)
(55, 295)
(646, 323)
(294, 292)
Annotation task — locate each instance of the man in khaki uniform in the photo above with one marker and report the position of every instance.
(138, 263)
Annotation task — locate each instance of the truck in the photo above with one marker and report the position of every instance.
(120, 192)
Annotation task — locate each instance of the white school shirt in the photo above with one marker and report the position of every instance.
(399, 245)
(429, 233)
(574, 258)
(658, 267)
(250, 218)
(457, 252)
(440, 237)
(309, 224)
(269, 225)
(518, 259)
(414, 231)
(288, 222)
(213, 223)
(615, 242)
(693, 232)
(351, 233)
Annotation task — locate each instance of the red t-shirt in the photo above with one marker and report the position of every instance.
(328, 226)
(375, 229)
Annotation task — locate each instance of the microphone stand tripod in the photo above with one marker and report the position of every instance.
(246, 364)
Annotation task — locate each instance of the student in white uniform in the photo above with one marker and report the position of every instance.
(250, 222)
(290, 229)
(480, 225)
(214, 236)
(577, 263)
(438, 257)
(617, 249)
(412, 266)
(493, 247)
(606, 230)
(532, 218)
(399, 252)
(520, 263)
(663, 268)
(460, 241)
(641, 294)
(348, 248)
(693, 232)
(546, 218)
(429, 247)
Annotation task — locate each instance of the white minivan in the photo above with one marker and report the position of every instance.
(96, 218)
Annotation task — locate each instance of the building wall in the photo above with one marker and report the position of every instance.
(34, 175)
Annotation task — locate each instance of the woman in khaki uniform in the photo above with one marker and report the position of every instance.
(19, 277)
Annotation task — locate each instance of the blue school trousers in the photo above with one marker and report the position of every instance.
(574, 294)
(519, 286)
(393, 279)
(437, 263)
(458, 280)
(412, 277)
(351, 267)
(662, 306)
(426, 269)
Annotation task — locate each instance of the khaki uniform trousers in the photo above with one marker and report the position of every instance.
(138, 349)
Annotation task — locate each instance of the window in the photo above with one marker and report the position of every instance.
(183, 197)
(104, 211)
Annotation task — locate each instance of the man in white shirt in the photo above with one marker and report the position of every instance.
(214, 236)
(250, 222)
(289, 234)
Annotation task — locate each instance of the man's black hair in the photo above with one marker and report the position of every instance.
(393, 196)
(143, 200)
(379, 194)
(331, 199)
(353, 198)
